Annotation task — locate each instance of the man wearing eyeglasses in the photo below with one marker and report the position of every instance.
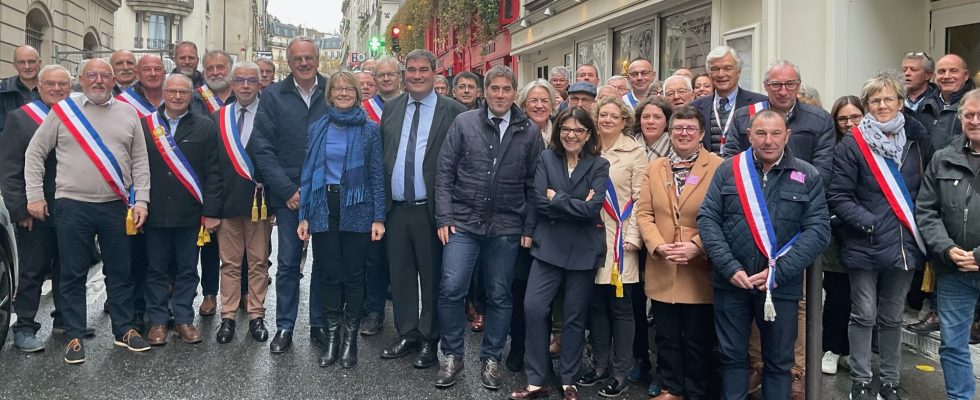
(938, 112)
(37, 243)
(387, 77)
(718, 111)
(677, 90)
(558, 76)
(280, 137)
(20, 89)
(918, 69)
(91, 199)
(185, 185)
(640, 74)
(466, 90)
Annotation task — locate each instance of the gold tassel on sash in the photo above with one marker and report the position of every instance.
(203, 235)
(256, 215)
(255, 210)
(130, 224)
(617, 281)
(265, 211)
(929, 279)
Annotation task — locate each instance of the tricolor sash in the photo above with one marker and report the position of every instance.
(37, 110)
(143, 106)
(91, 143)
(755, 108)
(210, 100)
(630, 99)
(760, 224)
(171, 154)
(231, 138)
(889, 178)
(611, 206)
(374, 107)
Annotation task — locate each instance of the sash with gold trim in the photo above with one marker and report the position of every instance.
(210, 100)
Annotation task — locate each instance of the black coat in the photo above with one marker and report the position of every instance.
(280, 135)
(13, 95)
(569, 232)
(481, 197)
(171, 204)
(236, 192)
(859, 203)
(17, 132)
(941, 120)
(704, 104)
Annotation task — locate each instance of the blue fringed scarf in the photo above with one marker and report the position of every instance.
(313, 181)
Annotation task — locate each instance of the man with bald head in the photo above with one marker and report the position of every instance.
(640, 74)
(938, 112)
(124, 67)
(147, 93)
(101, 189)
(36, 241)
(20, 89)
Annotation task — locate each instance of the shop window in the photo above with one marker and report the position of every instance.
(685, 40)
(631, 43)
(593, 51)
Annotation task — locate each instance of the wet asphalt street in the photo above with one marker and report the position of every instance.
(244, 369)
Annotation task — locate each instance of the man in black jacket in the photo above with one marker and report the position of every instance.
(185, 191)
(483, 191)
(37, 242)
(280, 136)
(717, 111)
(793, 193)
(938, 112)
(22, 88)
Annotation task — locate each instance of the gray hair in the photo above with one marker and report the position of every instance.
(421, 54)
(720, 52)
(182, 77)
(186, 43)
(297, 39)
(388, 60)
(809, 92)
(782, 64)
(927, 63)
(617, 78)
(537, 83)
(440, 78)
(559, 70)
(881, 81)
(687, 81)
(500, 71)
(47, 69)
(973, 95)
(216, 53)
(265, 60)
(244, 65)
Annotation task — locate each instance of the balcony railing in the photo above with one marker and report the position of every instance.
(156, 43)
(178, 7)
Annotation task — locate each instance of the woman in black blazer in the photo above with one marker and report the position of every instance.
(569, 243)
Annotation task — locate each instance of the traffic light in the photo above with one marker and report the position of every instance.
(395, 33)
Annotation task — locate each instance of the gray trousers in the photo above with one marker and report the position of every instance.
(877, 297)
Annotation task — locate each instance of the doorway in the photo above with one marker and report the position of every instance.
(957, 30)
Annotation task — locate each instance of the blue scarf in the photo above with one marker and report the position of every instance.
(313, 181)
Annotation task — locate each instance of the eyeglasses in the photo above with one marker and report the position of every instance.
(25, 63)
(246, 81)
(344, 89)
(673, 93)
(616, 117)
(638, 74)
(56, 84)
(918, 54)
(887, 100)
(970, 116)
(789, 85)
(577, 131)
(92, 76)
(856, 118)
(177, 92)
(684, 130)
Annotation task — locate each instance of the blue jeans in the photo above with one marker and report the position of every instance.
(459, 258)
(957, 295)
(287, 274)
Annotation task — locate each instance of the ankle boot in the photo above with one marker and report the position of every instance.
(331, 349)
(348, 349)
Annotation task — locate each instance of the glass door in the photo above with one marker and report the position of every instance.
(957, 30)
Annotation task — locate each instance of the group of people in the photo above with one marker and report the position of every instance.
(550, 214)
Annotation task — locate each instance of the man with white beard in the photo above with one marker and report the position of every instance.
(216, 91)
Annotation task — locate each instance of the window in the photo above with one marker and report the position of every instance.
(685, 40)
(633, 42)
(34, 29)
(593, 52)
(158, 35)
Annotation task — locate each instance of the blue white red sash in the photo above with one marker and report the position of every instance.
(757, 216)
(889, 178)
(210, 100)
(143, 106)
(630, 99)
(231, 138)
(90, 142)
(755, 108)
(171, 154)
(611, 206)
(374, 107)
(37, 110)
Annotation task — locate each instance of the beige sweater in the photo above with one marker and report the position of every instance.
(78, 178)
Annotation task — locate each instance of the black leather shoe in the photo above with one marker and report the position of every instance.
(281, 342)
(428, 355)
(348, 347)
(928, 324)
(613, 388)
(318, 336)
(257, 328)
(514, 361)
(490, 374)
(371, 324)
(591, 378)
(331, 346)
(449, 372)
(226, 332)
(401, 348)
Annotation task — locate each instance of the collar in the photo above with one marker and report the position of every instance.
(967, 149)
(86, 100)
(251, 107)
(316, 82)
(782, 162)
(505, 117)
(731, 97)
(428, 101)
(179, 117)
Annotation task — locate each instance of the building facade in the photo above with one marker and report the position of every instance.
(54, 26)
(330, 46)
(453, 57)
(363, 20)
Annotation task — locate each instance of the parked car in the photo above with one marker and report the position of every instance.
(8, 271)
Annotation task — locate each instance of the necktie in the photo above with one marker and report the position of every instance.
(495, 139)
(410, 154)
(241, 120)
(723, 103)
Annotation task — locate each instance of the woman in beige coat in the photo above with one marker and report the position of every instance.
(611, 311)
(678, 276)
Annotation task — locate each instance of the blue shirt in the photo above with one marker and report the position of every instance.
(426, 112)
(335, 149)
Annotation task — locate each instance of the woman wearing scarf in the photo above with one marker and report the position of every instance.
(650, 126)
(678, 274)
(877, 172)
(342, 208)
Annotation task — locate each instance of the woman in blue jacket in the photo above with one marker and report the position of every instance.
(342, 209)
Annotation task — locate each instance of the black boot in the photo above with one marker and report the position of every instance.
(348, 349)
(331, 349)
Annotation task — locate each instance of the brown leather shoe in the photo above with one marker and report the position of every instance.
(665, 395)
(208, 306)
(188, 333)
(525, 394)
(799, 386)
(477, 324)
(571, 393)
(157, 335)
(755, 379)
(470, 312)
(554, 349)
(975, 333)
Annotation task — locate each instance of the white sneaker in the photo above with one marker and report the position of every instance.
(829, 363)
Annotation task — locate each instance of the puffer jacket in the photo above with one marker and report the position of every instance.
(796, 203)
(860, 205)
(948, 198)
(940, 119)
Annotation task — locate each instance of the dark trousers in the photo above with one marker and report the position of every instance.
(340, 258)
(735, 310)
(836, 312)
(685, 349)
(518, 327)
(210, 266)
(139, 264)
(288, 274)
(375, 278)
(478, 291)
(641, 334)
(542, 285)
(38, 253)
(415, 262)
(611, 322)
(78, 223)
(164, 247)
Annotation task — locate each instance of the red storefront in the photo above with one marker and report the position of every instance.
(453, 58)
